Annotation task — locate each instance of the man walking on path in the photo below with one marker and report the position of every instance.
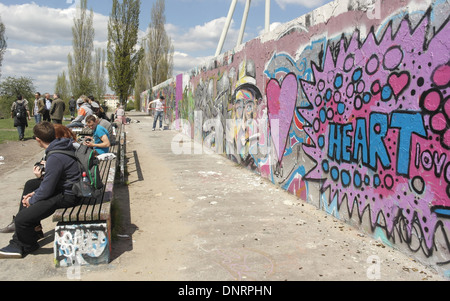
(57, 109)
(20, 112)
(159, 111)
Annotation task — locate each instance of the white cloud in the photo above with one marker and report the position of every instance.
(202, 38)
(305, 3)
(184, 62)
(34, 23)
(39, 39)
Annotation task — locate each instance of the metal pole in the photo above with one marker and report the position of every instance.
(267, 27)
(244, 22)
(226, 27)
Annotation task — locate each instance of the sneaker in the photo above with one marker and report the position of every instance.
(10, 252)
(10, 228)
(161, 129)
(153, 130)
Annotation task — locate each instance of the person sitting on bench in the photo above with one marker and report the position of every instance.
(101, 136)
(54, 192)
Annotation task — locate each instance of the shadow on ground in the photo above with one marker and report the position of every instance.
(123, 228)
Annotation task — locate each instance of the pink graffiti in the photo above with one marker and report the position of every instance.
(381, 78)
(281, 102)
(398, 82)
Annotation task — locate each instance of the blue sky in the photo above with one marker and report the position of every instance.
(39, 32)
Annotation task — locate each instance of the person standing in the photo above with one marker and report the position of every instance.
(20, 112)
(48, 104)
(159, 112)
(72, 107)
(38, 107)
(57, 109)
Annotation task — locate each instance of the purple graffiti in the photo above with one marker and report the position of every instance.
(380, 125)
(281, 104)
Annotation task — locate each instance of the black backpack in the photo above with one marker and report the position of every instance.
(20, 110)
(89, 164)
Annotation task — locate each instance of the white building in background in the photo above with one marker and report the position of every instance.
(111, 101)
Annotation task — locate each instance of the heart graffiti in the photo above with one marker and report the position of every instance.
(281, 102)
(399, 82)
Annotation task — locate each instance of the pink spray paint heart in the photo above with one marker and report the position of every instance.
(398, 82)
(281, 104)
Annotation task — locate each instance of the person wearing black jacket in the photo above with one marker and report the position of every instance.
(54, 192)
(48, 104)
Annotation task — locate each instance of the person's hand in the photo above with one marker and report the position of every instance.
(26, 200)
(89, 143)
(37, 170)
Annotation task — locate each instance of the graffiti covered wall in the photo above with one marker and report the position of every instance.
(348, 108)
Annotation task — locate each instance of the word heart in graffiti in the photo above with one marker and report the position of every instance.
(369, 150)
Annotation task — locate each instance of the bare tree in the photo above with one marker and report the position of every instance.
(2, 43)
(80, 62)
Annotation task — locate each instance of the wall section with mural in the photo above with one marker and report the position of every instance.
(347, 107)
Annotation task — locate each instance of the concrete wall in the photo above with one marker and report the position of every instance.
(346, 107)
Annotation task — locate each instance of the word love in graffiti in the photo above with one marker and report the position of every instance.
(368, 144)
(428, 160)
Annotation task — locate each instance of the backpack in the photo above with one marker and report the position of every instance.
(20, 111)
(89, 164)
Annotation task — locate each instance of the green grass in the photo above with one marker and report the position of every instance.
(9, 133)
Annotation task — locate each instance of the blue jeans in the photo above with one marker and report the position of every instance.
(38, 118)
(21, 131)
(159, 114)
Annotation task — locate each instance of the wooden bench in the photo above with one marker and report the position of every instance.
(83, 233)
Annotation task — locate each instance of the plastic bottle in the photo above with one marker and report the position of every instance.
(86, 186)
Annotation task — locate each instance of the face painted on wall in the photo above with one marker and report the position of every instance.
(244, 119)
(245, 105)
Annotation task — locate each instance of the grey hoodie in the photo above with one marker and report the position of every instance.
(87, 110)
